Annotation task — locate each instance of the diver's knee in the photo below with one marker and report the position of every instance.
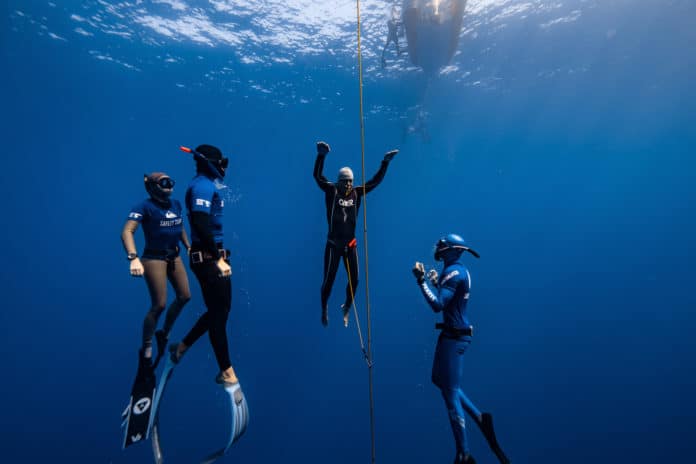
(455, 417)
(184, 298)
(151, 318)
(157, 308)
(450, 397)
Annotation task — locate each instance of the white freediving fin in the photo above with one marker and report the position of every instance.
(239, 414)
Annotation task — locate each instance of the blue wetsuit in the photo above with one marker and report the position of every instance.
(205, 207)
(451, 298)
(203, 196)
(162, 225)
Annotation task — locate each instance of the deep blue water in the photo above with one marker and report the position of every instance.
(565, 157)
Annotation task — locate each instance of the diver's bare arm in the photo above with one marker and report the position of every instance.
(185, 239)
(128, 236)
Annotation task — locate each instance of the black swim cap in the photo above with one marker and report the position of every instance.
(210, 152)
(211, 161)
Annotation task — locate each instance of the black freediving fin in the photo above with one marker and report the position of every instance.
(486, 426)
(137, 414)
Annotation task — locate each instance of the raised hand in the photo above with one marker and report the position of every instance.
(432, 277)
(419, 271)
(388, 156)
(323, 148)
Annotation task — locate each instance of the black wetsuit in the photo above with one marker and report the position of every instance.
(205, 206)
(392, 36)
(341, 215)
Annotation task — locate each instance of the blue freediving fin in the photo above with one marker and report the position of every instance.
(138, 413)
(153, 427)
(240, 419)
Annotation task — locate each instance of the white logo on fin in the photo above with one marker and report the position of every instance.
(136, 438)
(141, 406)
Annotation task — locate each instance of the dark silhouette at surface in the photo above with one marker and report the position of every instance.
(394, 31)
(432, 31)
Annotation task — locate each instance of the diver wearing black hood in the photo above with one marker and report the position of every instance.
(342, 205)
(209, 260)
(163, 229)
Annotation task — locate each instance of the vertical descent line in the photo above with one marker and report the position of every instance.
(367, 276)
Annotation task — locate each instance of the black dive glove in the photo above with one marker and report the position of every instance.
(419, 272)
(323, 148)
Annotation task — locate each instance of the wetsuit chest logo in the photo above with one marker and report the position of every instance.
(170, 222)
(345, 203)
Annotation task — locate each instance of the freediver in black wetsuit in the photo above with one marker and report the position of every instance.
(342, 204)
(393, 26)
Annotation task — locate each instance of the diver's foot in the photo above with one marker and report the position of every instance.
(176, 352)
(325, 317)
(145, 357)
(145, 353)
(346, 314)
(144, 363)
(489, 433)
(227, 377)
(162, 338)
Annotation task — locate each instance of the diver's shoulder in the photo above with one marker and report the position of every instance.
(147, 205)
(455, 270)
(201, 181)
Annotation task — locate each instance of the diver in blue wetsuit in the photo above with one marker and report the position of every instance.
(450, 297)
(209, 260)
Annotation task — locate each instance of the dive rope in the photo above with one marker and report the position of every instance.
(368, 353)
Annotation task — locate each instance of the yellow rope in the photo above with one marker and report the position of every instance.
(368, 354)
(355, 311)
